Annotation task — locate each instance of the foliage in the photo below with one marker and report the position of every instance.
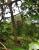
(29, 32)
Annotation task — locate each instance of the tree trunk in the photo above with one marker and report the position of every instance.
(13, 23)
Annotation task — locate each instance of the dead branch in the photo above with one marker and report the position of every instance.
(3, 45)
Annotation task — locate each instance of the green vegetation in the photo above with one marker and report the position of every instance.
(20, 32)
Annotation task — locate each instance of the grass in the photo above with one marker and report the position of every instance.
(17, 48)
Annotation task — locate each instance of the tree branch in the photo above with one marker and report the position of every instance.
(3, 45)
